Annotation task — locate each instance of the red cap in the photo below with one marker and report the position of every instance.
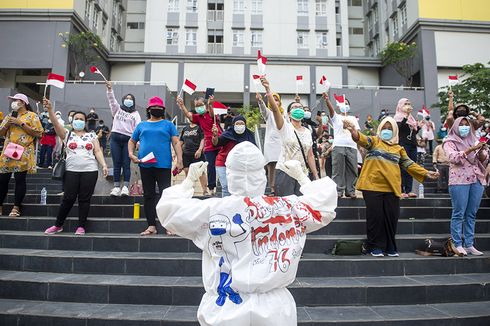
(156, 101)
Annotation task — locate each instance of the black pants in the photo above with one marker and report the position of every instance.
(211, 159)
(46, 154)
(382, 213)
(328, 166)
(442, 181)
(150, 177)
(81, 185)
(20, 187)
(407, 179)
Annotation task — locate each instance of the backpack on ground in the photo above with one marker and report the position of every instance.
(348, 248)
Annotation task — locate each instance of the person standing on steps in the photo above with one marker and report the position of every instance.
(155, 136)
(83, 157)
(468, 158)
(380, 184)
(441, 164)
(102, 132)
(92, 119)
(408, 129)
(21, 127)
(126, 118)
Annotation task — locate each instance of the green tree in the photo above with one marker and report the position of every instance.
(400, 55)
(82, 49)
(473, 89)
(253, 116)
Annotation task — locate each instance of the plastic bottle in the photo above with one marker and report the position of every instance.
(44, 195)
(421, 191)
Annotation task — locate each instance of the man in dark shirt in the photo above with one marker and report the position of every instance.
(102, 131)
(227, 119)
(92, 118)
(192, 140)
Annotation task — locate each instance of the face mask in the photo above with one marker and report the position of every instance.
(443, 129)
(324, 119)
(464, 131)
(239, 129)
(70, 119)
(307, 115)
(58, 116)
(157, 113)
(330, 141)
(487, 125)
(128, 103)
(427, 118)
(383, 112)
(345, 108)
(78, 124)
(201, 110)
(297, 114)
(386, 134)
(15, 106)
(483, 134)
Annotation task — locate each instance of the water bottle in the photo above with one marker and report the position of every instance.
(421, 190)
(44, 195)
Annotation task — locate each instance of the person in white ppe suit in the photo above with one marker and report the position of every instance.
(251, 243)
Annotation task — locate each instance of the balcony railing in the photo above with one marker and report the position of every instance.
(215, 48)
(215, 15)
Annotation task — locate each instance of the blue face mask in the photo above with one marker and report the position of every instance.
(128, 103)
(345, 108)
(78, 124)
(464, 131)
(386, 134)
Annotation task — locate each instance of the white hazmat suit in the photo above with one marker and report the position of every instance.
(251, 243)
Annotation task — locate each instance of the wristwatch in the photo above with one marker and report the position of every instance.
(22, 124)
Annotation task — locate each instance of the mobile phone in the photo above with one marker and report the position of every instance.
(14, 114)
(176, 171)
(209, 92)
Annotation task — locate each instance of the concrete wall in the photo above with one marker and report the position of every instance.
(455, 49)
(128, 72)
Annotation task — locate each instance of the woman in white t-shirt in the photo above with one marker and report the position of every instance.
(296, 144)
(83, 156)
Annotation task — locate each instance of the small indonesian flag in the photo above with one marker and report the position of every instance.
(340, 99)
(261, 61)
(150, 158)
(424, 112)
(95, 70)
(325, 83)
(299, 80)
(56, 80)
(485, 139)
(219, 108)
(453, 80)
(256, 81)
(189, 87)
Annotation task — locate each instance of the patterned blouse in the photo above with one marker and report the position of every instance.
(461, 171)
(17, 135)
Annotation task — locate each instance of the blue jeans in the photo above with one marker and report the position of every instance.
(46, 153)
(211, 159)
(221, 172)
(466, 201)
(120, 156)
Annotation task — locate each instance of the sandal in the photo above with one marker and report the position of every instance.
(412, 195)
(15, 212)
(148, 232)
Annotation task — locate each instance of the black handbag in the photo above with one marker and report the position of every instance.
(60, 167)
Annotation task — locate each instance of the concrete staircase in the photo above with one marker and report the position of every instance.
(112, 276)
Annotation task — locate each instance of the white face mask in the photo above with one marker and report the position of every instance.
(15, 106)
(307, 115)
(70, 119)
(239, 129)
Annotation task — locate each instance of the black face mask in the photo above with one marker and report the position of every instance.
(157, 113)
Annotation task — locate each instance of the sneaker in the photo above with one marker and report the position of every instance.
(393, 254)
(54, 229)
(461, 251)
(473, 251)
(80, 231)
(116, 192)
(377, 253)
(124, 191)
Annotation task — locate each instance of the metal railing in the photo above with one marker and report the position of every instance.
(215, 48)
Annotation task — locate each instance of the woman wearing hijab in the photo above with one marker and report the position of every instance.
(126, 118)
(380, 183)
(467, 160)
(235, 134)
(408, 129)
(272, 140)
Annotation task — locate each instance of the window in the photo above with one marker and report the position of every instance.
(256, 40)
(403, 12)
(172, 36)
(376, 46)
(238, 38)
(95, 21)
(238, 6)
(113, 41)
(356, 30)
(355, 3)
(191, 37)
(136, 25)
(257, 7)
(302, 40)
(395, 25)
(375, 14)
(192, 5)
(303, 7)
(173, 5)
(87, 9)
(321, 40)
(321, 7)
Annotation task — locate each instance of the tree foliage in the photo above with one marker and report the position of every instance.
(252, 115)
(400, 55)
(473, 89)
(82, 49)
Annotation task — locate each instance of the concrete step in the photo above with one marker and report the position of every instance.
(36, 188)
(131, 226)
(26, 312)
(187, 291)
(163, 243)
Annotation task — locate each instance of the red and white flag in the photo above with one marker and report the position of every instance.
(219, 108)
(95, 70)
(150, 158)
(453, 80)
(261, 61)
(424, 112)
(325, 83)
(56, 80)
(340, 99)
(299, 80)
(256, 81)
(189, 87)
